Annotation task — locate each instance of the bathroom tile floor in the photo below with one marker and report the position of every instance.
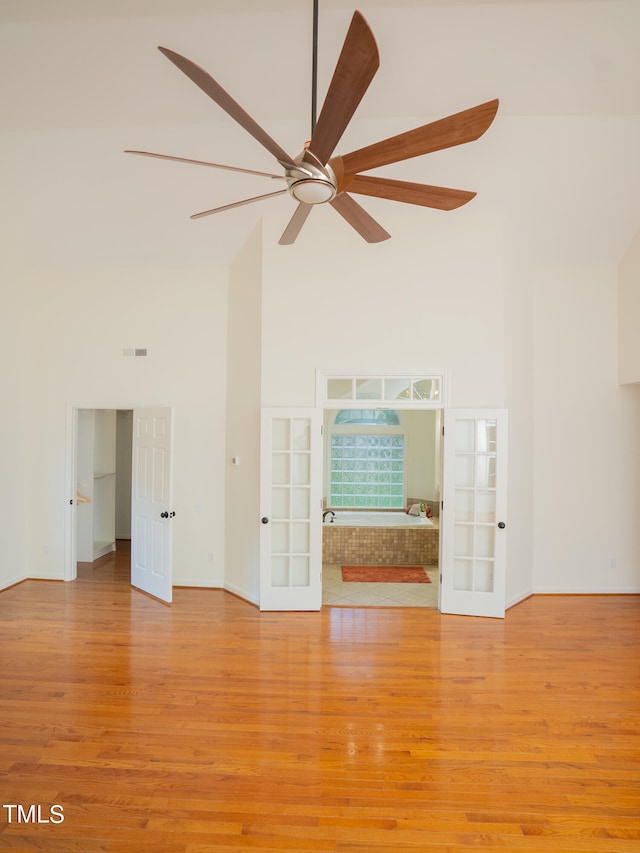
(335, 592)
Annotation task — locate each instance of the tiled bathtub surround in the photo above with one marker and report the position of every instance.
(391, 546)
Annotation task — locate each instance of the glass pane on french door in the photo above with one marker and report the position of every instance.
(291, 543)
(474, 497)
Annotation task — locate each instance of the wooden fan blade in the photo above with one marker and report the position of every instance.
(441, 198)
(205, 163)
(358, 218)
(355, 69)
(235, 204)
(456, 129)
(215, 91)
(295, 224)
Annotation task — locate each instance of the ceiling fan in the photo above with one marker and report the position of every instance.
(317, 177)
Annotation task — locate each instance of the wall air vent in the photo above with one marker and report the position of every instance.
(134, 351)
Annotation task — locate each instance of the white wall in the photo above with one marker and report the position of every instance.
(15, 357)
(629, 314)
(518, 328)
(81, 321)
(423, 456)
(432, 296)
(243, 422)
(586, 487)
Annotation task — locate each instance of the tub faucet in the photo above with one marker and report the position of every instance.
(326, 513)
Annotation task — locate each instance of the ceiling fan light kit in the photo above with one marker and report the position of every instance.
(311, 183)
(315, 176)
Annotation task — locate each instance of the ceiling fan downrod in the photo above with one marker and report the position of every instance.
(311, 182)
(314, 68)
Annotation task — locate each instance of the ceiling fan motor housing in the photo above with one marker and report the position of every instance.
(311, 183)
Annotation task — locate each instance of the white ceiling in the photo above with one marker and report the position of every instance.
(46, 10)
(81, 81)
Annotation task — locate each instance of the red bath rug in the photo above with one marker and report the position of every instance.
(385, 574)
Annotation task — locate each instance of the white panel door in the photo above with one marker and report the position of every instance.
(473, 518)
(151, 510)
(291, 509)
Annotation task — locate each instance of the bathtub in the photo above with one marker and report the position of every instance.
(347, 518)
(380, 538)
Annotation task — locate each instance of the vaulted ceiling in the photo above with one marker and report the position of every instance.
(80, 82)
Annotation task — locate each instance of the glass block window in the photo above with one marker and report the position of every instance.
(367, 471)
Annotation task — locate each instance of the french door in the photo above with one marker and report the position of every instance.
(473, 518)
(291, 509)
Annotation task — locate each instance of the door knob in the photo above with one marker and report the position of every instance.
(501, 525)
(164, 515)
(265, 520)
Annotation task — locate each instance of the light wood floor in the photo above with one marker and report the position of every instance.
(207, 726)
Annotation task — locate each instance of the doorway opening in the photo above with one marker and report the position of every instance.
(103, 453)
(148, 445)
(472, 545)
(381, 473)
(114, 569)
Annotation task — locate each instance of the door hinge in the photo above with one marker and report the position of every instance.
(443, 430)
(441, 506)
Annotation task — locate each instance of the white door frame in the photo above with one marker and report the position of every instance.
(71, 525)
(402, 405)
(443, 403)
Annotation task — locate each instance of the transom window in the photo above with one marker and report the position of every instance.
(425, 391)
(366, 465)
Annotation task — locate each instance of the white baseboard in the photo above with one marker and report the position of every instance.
(518, 598)
(241, 593)
(43, 577)
(197, 583)
(12, 582)
(586, 591)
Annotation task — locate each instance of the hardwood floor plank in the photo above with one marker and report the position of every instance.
(208, 726)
